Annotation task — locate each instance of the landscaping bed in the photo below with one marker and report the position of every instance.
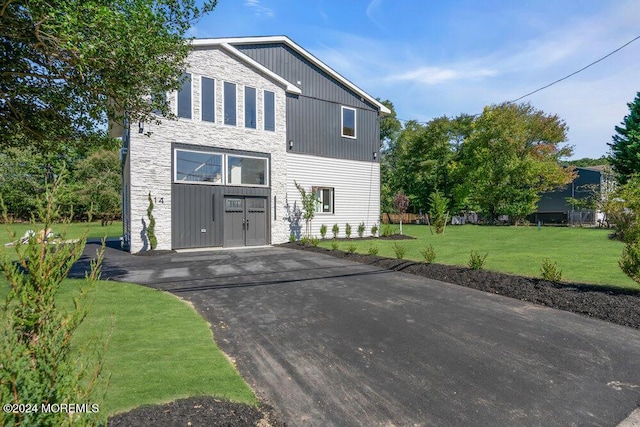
(198, 411)
(612, 304)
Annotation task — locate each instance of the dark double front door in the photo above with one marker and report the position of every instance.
(245, 221)
(203, 216)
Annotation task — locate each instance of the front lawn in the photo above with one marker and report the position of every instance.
(584, 255)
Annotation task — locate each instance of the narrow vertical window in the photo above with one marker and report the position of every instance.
(229, 103)
(249, 107)
(208, 103)
(348, 122)
(269, 110)
(184, 97)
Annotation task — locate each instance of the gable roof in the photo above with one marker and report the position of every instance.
(228, 43)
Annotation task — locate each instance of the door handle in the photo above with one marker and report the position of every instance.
(247, 224)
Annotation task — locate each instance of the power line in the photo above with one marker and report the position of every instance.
(557, 81)
(575, 72)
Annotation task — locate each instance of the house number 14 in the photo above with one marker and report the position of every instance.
(160, 200)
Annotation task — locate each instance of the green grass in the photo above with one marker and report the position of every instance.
(159, 350)
(584, 255)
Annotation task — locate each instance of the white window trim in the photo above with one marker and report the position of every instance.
(226, 170)
(244, 94)
(355, 122)
(319, 201)
(215, 116)
(175, 167)
(264, 115)
(176, 99)
(224, 106)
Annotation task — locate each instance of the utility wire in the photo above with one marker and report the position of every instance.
(557, 81)
(575, 72)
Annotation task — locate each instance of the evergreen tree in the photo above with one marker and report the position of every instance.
(625, 148)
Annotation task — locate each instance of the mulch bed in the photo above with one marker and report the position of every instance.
(607, 303)
(198, 411)
(602, 302)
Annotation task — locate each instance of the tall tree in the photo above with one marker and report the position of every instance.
(625, 148)
(69, 66)
(511, 156)
(390, 126)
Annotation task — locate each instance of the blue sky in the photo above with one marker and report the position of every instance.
(434, 58)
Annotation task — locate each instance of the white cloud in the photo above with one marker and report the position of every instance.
(439, 75)
(259, 9)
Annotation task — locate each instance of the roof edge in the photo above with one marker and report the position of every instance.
(230, 41)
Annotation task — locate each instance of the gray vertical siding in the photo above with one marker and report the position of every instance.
(313, 118)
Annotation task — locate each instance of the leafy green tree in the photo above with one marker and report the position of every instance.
(68, 66)
(625, 148)
(511, 156)
(99, 177)
(390, 126)
(309, 201)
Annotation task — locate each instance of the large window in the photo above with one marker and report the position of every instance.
(208, 102)
(195, 166)
(249, 107)
(348, 122)
(324, 197)
(269, 110)
(184, 98)
(218, 168)
(246, 170)
(229, 103)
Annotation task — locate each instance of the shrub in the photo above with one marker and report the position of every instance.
(334, 246)
(630, 261)
(374, 230)
(429, 254)
(399, 250)
(351, 248)
(386, 230)
(438, 211)
(304, 240)
(361, 229)
(476, 261)
(315, 241)
(151, 228)
(373, 250)
(347, 230)
(292, 237)
(323, 231)
(550, 271)
(36, 333)
(335, 230)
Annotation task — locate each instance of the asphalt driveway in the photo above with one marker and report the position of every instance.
(331, 342)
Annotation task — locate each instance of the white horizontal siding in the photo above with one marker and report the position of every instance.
(356, 188)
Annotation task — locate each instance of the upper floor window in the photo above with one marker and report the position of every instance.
(269, 110)
(229, 103)
(184, 98)
(208, 101)
(348, 122)
(249, 107)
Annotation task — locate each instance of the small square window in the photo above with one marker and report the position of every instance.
(348, 122)
(324, 199)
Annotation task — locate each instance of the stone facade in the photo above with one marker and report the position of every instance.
(148, 167)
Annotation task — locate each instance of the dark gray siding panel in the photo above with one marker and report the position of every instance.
(313, 118)
(197, 207)
(313, 127)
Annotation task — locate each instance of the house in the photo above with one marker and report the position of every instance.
(256, 115)
(593, 182)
